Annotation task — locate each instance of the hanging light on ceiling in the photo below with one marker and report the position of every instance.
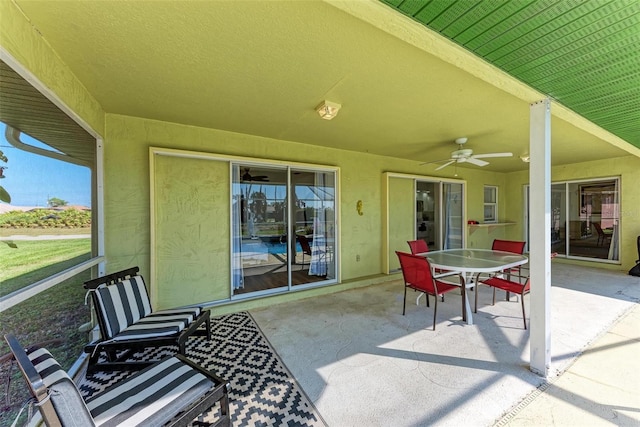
(328, 110)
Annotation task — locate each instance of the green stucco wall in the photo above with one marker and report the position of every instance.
(127, 187)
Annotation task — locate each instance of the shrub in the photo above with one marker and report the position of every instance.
(46, 218)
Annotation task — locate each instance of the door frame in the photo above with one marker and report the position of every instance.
(386, 177)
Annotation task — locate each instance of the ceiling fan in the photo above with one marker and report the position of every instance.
(465, 155)
(248, 177)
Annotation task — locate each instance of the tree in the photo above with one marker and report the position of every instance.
(4, 195)
(259, 205)
(55, 202)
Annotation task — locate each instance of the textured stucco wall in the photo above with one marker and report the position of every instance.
(127, 186)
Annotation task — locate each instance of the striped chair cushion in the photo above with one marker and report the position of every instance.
(65, 396)
(159, 324)
(151, 397)
(123, 304)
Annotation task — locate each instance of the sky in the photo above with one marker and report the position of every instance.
(32, 180)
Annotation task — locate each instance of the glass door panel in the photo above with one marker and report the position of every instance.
(428, 213)
(558, 218)
(259, 224)
(593, 224)
(585, 217)
(439, 214)
(452, 208)
(313, 224)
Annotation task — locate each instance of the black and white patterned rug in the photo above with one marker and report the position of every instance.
(262, 390)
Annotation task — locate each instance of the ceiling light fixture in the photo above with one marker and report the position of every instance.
(328, 110)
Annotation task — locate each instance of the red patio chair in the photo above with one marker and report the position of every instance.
(602, 236)
(418, 246)
(515, 246)
(305, 245)
(418, 276)
(506, 285)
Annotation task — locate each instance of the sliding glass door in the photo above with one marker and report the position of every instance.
(283, 228)
(585, 219)
(439, 214)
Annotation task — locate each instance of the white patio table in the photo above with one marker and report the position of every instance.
(470, 262)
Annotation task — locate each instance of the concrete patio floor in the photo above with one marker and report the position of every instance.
(363, 363)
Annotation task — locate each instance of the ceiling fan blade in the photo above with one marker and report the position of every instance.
(445, 165)
(477, 162)
(436, 161)
(481, 156)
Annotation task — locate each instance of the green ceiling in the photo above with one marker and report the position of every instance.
(583, 54)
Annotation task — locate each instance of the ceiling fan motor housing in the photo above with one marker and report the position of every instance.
(462, 154)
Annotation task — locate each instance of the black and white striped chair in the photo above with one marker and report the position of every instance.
(127, 322)
(171, 392)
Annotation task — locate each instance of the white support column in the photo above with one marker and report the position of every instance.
(540, 242)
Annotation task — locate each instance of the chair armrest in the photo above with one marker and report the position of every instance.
(489, 276)
(207, 373)
(447, 274)
(37, 386)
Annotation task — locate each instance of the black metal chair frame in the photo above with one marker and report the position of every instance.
(37, 388)
(117, 352)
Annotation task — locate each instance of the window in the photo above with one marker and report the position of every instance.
(490, 203)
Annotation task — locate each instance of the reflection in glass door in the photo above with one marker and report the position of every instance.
(453, 215)
(558, 218)
(283, 228)
(428, 213)
(259, 225)
(592, 228)
(439, 214)
(313, 234)
(585, 219)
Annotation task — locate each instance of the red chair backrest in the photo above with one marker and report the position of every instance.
(418, 246)
(508, 246)
(304, 244)
(416, 271)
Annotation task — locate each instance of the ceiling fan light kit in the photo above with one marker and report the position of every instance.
(328, 110)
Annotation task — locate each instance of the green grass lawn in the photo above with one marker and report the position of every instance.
(9, 231)
(55, 314)
(35, 260)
